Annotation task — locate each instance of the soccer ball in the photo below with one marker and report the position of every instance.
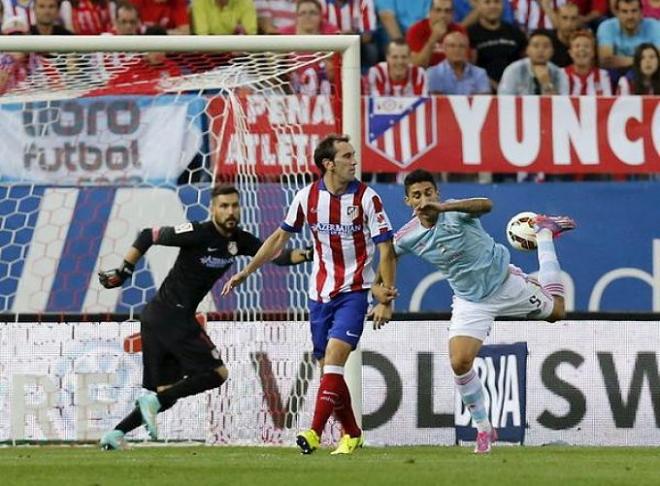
(520, 231)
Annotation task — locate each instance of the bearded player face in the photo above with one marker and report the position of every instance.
(226, 212)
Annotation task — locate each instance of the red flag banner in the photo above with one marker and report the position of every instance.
(557, 134)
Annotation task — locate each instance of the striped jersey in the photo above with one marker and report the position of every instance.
(380, 83)
(355, 16)
(596, 82)
(86, 17)
(530, 15)
(20, 8)
(282, 13)
(345, 230)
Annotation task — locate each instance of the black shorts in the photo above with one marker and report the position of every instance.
(174, 345)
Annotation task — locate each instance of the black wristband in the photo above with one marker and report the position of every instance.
(127, 268)
(144, 240)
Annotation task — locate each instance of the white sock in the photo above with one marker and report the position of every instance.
(549, 270)
(469, 386)
(337, 370)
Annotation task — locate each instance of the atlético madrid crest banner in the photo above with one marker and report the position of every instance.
(557, 134)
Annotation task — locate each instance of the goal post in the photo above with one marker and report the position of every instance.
(41, 216)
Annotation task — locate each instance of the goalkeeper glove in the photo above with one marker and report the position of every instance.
(309, 254)
(111, 279)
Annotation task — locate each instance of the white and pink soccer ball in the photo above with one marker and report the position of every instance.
(520, 231)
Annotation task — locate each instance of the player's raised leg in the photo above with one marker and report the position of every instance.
(462, 352)
(547, 228)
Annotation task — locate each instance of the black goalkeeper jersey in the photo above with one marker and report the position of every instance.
(204, 257)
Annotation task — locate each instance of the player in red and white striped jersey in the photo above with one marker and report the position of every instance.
(347, 221)
(584, 77)
(350, 16)
(397, 76)
(535, 14)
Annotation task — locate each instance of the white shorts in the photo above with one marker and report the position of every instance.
(519, 296)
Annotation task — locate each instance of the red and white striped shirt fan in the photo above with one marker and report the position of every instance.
(352, 16)
(380, 83)
(597, 82)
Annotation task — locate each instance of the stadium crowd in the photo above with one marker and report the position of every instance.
(409, 47)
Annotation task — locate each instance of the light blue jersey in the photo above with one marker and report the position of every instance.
(459, 247)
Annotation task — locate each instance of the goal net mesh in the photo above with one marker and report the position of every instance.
(97, 146)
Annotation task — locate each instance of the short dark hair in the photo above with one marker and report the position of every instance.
(126, 5)
(223, 190)
(399, 41)
(540, 33)
(419, 175)
(326, 149)
(617, 2)
(155, 30)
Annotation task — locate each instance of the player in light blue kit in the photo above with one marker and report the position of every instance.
(450, 236)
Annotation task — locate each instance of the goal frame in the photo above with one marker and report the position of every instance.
(351, 106)
(347, 45)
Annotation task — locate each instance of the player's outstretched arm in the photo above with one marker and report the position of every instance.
(474, 206)
(273, 246)
(294, 257)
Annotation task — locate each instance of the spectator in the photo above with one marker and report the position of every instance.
(591, 12)
(169, 14)
(275, 15)
(47, 13)
(224, 17)
(13, 65)
(455, 75)
(584, 76)
(23, 9)
(466, 13)
(397, 16)
(309, 20)
(86, 17)
(496, 43)
(619, 37)
(567, 23)
(535, 75)
(536, 14)
(644, 77)
(651, 9)
(355, 17)
(127, 21)
(397, 76)
(426, 36)
(315, 78)
(2, 12)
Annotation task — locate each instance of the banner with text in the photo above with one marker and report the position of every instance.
(588, 383)
(502, 369)
(102, 140)
(557, 134)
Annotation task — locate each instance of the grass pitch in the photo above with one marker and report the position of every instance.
(416, 466)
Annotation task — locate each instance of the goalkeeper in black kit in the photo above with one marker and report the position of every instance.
(179, 359)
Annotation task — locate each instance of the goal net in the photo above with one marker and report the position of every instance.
(104, 136)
